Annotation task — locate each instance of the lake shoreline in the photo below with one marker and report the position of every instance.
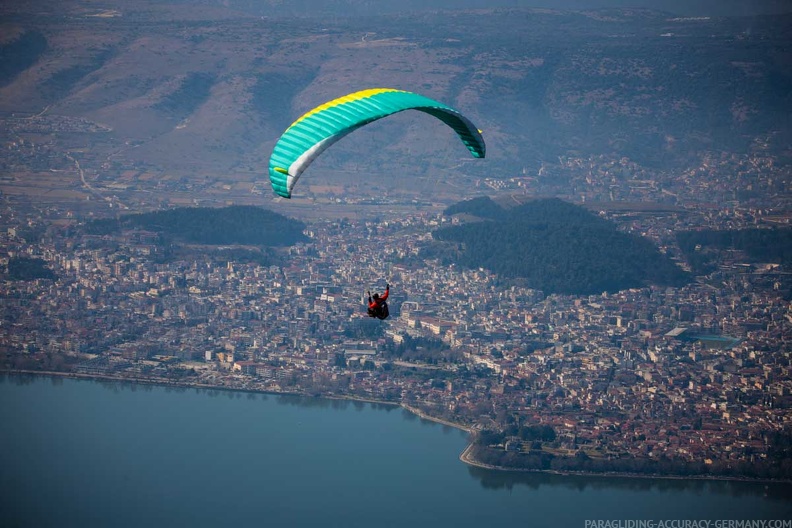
(465, 457)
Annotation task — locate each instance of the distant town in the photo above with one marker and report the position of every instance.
(699, 374)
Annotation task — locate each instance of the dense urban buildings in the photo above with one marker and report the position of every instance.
(699, 373)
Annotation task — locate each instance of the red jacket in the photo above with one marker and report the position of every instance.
(375, 303)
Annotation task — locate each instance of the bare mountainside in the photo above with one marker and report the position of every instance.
(196, 89)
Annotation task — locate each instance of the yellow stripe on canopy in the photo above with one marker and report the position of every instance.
(363, 94)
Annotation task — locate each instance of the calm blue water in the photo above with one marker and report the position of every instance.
(82, 453)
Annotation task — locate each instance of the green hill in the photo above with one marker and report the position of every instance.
(554, 246)
(246, 225)
(25, 269)
(704, 249)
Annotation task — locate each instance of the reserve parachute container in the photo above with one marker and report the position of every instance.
(319, 128)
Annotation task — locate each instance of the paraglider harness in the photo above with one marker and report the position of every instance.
(381, 312)
(378, 307)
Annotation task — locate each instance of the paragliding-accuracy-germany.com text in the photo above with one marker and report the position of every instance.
(688, 523)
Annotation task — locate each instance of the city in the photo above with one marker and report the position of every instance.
(699, 373)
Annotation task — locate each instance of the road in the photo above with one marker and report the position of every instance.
(112, 200)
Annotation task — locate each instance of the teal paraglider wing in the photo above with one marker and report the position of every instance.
(319, 128)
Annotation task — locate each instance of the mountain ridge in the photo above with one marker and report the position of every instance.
(540, 83)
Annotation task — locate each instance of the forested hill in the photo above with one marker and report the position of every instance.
(215, 226)
(555, 246)
(704, 249)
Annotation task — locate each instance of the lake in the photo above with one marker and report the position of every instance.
(90, 453)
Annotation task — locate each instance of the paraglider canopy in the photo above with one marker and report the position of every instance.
(319, 128)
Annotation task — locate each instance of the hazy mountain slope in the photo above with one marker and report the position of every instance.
(191, 86)
(379, 7)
